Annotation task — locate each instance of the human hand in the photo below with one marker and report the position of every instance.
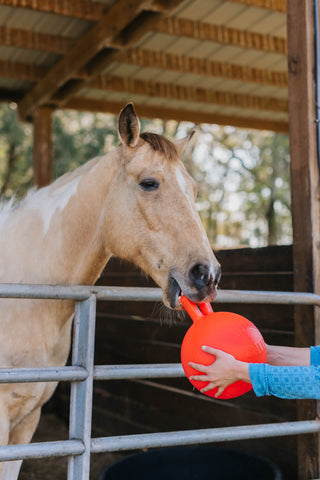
(224, 371)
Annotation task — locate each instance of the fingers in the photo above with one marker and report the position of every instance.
(211, 350)
(199, 367)
(211, 386)
(199, 378)
(220, 390)
(207, 388)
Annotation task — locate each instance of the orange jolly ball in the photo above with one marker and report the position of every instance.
(225, 331)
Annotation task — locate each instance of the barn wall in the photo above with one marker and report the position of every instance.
(130, 332)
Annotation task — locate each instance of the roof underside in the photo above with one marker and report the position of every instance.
(211, 61)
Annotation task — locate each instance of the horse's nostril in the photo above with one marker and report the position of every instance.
(199, 275)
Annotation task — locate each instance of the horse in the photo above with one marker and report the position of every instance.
(137, 203)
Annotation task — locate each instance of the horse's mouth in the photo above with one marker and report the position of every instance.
(174, 291)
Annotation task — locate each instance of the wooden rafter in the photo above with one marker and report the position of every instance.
(121, 16)
(221, 34)
(188, 94)
(276, 5)
(13, 37)
(82, 9)
(92, 11)
(29, 73)
(187, 115)
(21, 71)
(201, 66)
(165, 61)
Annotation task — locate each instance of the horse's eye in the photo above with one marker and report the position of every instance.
(149, 184)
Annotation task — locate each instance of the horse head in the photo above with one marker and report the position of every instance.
(155, 223)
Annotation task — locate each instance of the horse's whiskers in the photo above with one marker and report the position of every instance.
(169, 317)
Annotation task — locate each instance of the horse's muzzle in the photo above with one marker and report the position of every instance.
(200, 286)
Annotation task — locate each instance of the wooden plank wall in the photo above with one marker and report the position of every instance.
(135, 333)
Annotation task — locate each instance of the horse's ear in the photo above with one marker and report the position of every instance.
(129, 126)
(183, 142)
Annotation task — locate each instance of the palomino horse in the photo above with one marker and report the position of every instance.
(138, 203)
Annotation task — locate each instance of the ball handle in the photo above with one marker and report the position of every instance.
(193, 309)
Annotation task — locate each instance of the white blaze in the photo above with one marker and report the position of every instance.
(183, 186)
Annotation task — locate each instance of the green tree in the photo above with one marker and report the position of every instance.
(244, 195)
(78, 137)
(15, 153)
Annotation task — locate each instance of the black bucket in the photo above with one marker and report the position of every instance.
(192, 463)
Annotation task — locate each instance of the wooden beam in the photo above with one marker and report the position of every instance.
(185, 115)
(82, 9)
(180, 27)
(276, 5)
(29, 73)
(92, 11)
(188, 94)
(42, 146)
(14, 37)
(201, 66)
(305, 202)
(119, 16)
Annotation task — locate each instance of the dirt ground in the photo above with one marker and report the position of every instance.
(52, 428)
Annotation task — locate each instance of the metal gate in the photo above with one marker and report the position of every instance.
(83, 372)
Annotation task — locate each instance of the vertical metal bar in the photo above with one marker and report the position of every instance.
(81, 392)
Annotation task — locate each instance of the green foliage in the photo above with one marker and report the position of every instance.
(78, 137)
(244, 196)
(243, 175)
(15, 153)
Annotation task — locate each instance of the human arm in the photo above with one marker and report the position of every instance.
(291, 382)
(288, 381)
(288, 356)
(281, 381)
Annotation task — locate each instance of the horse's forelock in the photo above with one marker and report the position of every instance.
(161, 144)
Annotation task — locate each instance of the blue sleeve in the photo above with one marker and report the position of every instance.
(315, 355)
(285, 382)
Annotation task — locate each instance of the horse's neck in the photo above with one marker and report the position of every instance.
(57, 237)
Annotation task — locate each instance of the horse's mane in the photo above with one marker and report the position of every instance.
(161, 144)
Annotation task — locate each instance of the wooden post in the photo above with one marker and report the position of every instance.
(42, 146)
(305, 201)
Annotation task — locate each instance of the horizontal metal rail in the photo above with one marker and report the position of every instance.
(51, 374)
(100, 372)
(62, 448)
(210, 435)
(137, 294)
(156, 370)
(155, 440)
